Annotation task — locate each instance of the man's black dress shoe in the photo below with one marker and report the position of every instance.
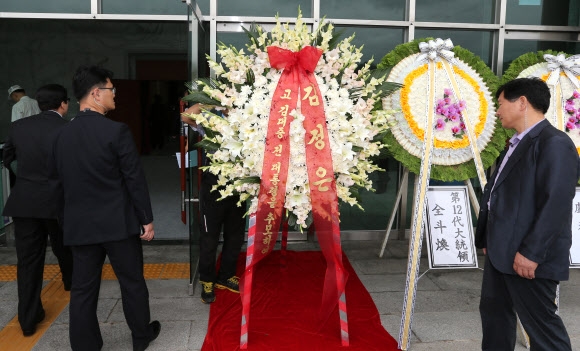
(155, 328)
(39, 318)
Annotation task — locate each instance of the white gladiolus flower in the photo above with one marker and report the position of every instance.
(248, 94)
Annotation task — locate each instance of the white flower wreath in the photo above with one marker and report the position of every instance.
(245, 85)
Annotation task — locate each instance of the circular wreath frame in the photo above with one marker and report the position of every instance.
(460, 171)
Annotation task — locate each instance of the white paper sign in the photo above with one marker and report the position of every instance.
(575, 249)
(449, 230)
(190, 159)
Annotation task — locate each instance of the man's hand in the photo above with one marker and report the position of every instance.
(524, 268)
(148, 232)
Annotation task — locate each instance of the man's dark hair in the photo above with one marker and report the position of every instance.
(534, 89)
(86, 77)
(50, 96)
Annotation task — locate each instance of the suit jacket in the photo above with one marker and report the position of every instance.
(36, 193)
(531, 204)
(105, 192)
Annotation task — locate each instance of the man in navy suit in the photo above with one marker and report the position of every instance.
(34, 202)
(107, 211)
(525, 223)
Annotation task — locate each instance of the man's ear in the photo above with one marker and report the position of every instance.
(523, 102)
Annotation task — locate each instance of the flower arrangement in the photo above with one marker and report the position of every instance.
(244, 85)
(558, 70)
(452, 158)
(573, 111)
(452, 113)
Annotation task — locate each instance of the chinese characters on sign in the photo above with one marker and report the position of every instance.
(449, 229)
(575, 249)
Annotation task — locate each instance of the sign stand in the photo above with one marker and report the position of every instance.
(523, 336)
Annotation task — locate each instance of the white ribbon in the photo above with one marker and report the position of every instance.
(433, 50)
(570, 66)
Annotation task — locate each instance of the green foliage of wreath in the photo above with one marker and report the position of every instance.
(460, 171)
(524, 61)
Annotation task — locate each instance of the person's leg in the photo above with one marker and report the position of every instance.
(210, 229)
(126, 258)
(30, 241)
(85, 334)
(498, 318)
(63, 253)
(534, 301)
(234, 230)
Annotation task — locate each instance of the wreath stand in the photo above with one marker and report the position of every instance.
(248, 276)
(523, 336)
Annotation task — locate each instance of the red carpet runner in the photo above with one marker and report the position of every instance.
(284, 310)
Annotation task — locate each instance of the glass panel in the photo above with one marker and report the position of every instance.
(515, 48)
(144, 7)
(270, 8)
(53, 6)
(547, 13)
(377, 205)
(464, 11)
(393, 10)
(478, 42)
(377, 41)
(237, 39)
(203, 6)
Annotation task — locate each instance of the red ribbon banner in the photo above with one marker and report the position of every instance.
(298, 82)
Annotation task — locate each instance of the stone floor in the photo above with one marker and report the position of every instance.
(446, 316)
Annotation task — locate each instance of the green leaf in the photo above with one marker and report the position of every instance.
(248, 180)
(332, 43)
(252, 33)
(378, 73)
(210, 133)
(357, 148)
(208, 145)
(355, 192)
(202, 98)
(380, 136)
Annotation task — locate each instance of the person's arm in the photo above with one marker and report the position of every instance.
(8, 151)
(195, 109)
(134, 177)
(17, 113)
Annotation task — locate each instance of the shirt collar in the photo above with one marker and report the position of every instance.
(518, 137)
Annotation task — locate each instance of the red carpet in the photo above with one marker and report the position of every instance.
(284, 310)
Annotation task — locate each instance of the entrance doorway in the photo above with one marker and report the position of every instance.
(149, 105)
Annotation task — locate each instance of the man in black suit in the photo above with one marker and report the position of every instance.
(34, 202)
(107, 211)
(525, 223)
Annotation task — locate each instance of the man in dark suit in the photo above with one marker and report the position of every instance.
(107, 211)
(34, 202)
(525, 223)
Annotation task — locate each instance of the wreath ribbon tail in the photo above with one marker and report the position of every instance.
(560, 123)
(324, 200)
(416, 240)
(480, 169)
